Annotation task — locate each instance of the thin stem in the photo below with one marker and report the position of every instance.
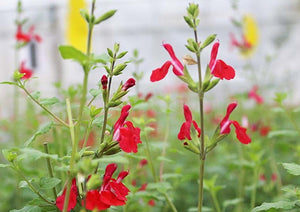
(161, 169)
(202, 150)
(241, 179)
(43, 107)
(253, 194)
(216, 202)
(73, 155)
(50, 172)
(150, 162)
(32, 187)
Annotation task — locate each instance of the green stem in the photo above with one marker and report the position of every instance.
(292, 120)
(202, 143)
(50, 172)
(32, 187)
(216, 202)
(73, 154)
(253, 194)
(43, 107)
(241, 179)
(150, 162)
(167, 130)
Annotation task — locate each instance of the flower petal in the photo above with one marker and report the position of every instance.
(160, 73)
(241, 133)
(222, 70)
(213, 55)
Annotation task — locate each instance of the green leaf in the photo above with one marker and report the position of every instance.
(114, 159)
(4, 165)
(28, 208)
(48, 183)
(292, 168)
(280, 97)
(232, 202)
(285, 133)
(42, 130)
(34, 154)
(94, 92)
(49, 101)
(69, 52)
(276, 205)
(161, 187)
(8, 83)
(105, 16)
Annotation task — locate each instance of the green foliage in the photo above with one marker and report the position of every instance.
(286, 205)
(292, 168)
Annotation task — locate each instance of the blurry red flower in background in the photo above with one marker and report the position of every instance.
(218, 67)
(160, 73)
(253, 95)
(27, 37)
(26, 71)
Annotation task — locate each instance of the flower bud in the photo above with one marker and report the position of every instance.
(104, 82)
(128, 84)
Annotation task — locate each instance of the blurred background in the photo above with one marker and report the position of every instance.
(143, 25)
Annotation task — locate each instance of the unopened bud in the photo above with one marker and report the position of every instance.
(128, 84)
(104, 82)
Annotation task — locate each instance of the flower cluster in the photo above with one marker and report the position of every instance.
(125, 133)
(111, 193)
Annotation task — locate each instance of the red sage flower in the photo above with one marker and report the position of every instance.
(218, 67)
(125, 133)
(27, 37)
(240, 131)
(185, 130)
(160, 73)
(112, 192)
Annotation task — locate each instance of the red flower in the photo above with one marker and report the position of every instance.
(253, 95)
(151, 202)
(262, 178)
(143, 162)
(143, 187)
(244, 44)
(104, 82)
(27, 37)
(218, 67)
(128, 84)
(73, 195)
(264, 130)
(274, 177)
(160, 73)
(112, 192)
(125, 133)
(240, 131)
(185, 130)
(129, 137)
(26, 71)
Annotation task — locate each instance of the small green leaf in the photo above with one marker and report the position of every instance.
(70, 52)
(8, 83)
(42, 130)
(276, 205)
(208, 41)
(94, 92)
(34, 154)
(4, 165)
(105, 16)
(49, 101)
(28, 208)
(285, 133)
(280, 97)
(48, 183)
(292, 168)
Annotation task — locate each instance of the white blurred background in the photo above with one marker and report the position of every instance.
(143, 25)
